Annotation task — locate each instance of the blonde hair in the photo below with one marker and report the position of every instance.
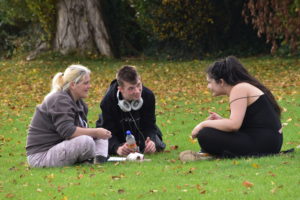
(74, 73)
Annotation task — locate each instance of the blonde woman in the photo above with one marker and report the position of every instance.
(58, 134)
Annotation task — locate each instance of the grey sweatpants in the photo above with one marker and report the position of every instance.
(69, 152)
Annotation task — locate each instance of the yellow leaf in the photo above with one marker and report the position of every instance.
(235, 162)
(191, 140)
(50, 176)
(255, 165)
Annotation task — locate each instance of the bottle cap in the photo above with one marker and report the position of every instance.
(128, 132)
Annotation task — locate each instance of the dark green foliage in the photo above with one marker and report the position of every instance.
(6, 46)
(24, 24)
(168, 29)
(230, 34)
(127, 36)
(197, 28)
(12, 22)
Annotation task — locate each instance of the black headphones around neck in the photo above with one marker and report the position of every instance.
(127, 106)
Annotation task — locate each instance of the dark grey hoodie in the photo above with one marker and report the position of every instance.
(54, 121)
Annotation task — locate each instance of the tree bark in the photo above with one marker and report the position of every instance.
(81, 27)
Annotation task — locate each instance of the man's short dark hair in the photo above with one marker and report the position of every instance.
(128, 74)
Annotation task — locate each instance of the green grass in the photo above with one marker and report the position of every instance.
(182, 101)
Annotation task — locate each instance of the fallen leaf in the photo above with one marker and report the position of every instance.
(92, 175)
(60, 188)
(51, 176)
(255, 165)
(118, 177)
(248, 184)
(191, 140)
(202, 191)
(235, 162)
(9, 195)
(121, 191)
(174, 147)
(172, 160)
(198, 187)
(271, 173)
(273, 190)
(115, 177)
(138, 173)
(80, 176)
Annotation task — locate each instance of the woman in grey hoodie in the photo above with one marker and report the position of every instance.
(58, 134)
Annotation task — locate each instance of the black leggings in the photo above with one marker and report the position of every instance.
(254, 142)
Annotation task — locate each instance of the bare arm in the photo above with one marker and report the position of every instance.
(237, 113)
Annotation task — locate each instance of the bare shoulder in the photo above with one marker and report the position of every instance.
(242, 86)
(244, 90)
(241, 89)
(247, 87)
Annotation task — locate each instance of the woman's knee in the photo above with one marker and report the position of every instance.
(86, 141)
(204, 133)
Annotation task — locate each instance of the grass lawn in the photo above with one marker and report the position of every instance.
(182, 101)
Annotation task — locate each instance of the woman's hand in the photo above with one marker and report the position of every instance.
(103, 133)
(213, 116)
(197, 129)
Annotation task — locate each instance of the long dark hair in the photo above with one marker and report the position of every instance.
(233, 72)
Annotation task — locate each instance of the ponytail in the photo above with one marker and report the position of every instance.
(61, 81)
(57, 82)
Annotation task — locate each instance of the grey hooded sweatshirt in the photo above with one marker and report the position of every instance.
(54, 121)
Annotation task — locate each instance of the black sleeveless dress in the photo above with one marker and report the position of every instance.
(259, 134)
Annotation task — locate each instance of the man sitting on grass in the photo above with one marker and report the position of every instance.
(128, 105)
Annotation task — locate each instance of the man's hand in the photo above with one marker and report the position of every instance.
(124, 150)
(150, 146)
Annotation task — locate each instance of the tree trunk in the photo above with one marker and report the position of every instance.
(80, 26)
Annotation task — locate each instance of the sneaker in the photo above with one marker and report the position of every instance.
(189, 155)
(100, 159)
(87, 162)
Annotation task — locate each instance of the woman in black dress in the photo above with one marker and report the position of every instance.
(253, 128)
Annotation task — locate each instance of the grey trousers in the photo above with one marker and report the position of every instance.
(69, 152)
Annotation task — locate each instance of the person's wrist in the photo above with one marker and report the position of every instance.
(203, 124)
(118, 150)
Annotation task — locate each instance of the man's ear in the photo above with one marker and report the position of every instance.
(120, 89)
